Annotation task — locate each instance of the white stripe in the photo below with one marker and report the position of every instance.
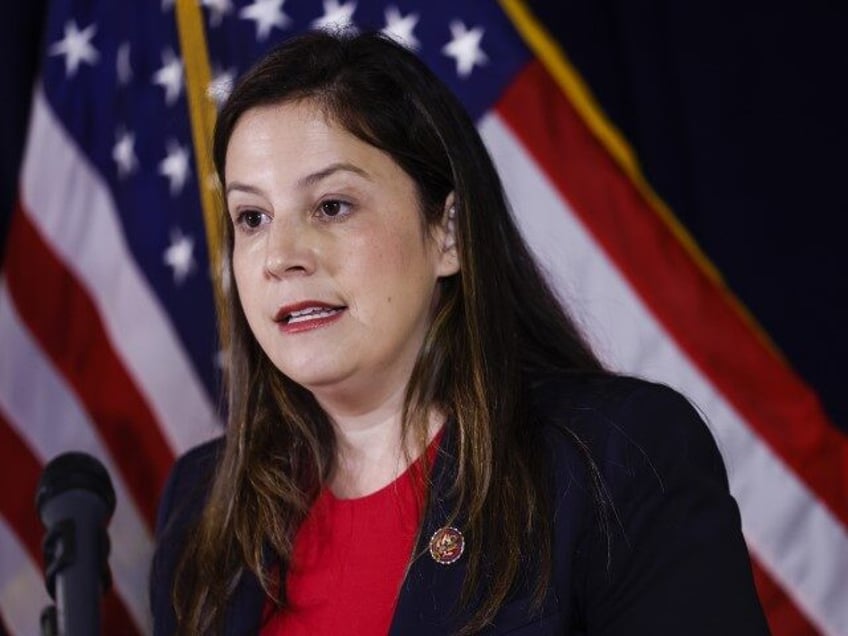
(46, 414)
(22, 591)
(794, 536)
(73, 209)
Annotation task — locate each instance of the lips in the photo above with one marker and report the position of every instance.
(307, 315)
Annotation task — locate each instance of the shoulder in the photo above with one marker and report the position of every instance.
(642, 502)
(590, 401)
(180, 507)
(626, 425)
(188, 483)
(627, 445)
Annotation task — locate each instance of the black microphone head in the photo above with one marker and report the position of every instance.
(75, 471)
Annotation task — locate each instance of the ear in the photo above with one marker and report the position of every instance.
(448, 258)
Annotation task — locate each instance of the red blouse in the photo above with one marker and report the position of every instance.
(350, 558)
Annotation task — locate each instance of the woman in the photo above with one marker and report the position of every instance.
(419, 440)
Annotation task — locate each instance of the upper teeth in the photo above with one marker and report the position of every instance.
(310, 313)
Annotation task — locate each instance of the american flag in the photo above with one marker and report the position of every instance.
(107, 327)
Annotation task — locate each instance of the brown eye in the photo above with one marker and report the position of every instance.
(251, 219)
(332, 208)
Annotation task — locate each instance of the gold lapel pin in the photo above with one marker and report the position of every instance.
(446, 545)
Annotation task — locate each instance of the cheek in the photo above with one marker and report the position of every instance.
(400, 273)
(381, 268)
(394, 251)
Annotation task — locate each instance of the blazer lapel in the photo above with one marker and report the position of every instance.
(429, 596)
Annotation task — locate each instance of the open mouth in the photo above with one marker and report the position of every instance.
(306, 314)
(311, 313)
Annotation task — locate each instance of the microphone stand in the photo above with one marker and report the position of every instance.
(75, 500)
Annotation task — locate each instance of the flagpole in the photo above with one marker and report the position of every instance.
(202, 114)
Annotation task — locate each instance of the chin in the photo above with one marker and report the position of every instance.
(312, 378)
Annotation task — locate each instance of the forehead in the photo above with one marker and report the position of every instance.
(297, 137)
(282, 124)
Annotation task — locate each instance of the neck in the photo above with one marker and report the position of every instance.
(370, 449)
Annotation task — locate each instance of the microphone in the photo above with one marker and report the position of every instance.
(75, 501)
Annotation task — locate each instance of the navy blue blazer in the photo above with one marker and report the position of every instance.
(673, 560)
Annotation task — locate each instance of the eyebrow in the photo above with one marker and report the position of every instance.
(237, 186)
(308, 180)
(315, 177)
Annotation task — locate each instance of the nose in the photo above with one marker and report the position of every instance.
(290, 249)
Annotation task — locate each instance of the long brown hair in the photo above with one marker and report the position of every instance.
(496, 325)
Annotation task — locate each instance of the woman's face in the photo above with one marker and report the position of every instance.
(335, 270)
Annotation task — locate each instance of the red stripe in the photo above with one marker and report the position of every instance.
(65, 322)
(783, 617)
(20, 467)
(19, 473)
(693, 309)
